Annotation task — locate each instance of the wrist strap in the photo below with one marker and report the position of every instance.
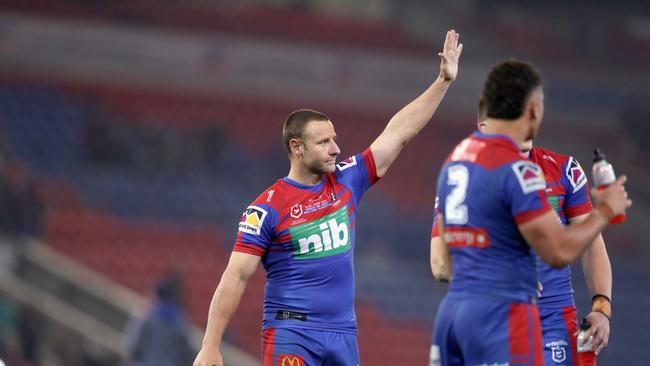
(602, 304)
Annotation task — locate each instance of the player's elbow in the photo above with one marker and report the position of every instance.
(440, 271)
(441, 276)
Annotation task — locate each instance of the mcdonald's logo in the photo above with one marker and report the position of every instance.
(290, 360)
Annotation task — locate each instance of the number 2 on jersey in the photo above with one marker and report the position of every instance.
(455, 209)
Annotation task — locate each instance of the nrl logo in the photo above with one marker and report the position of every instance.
(296, 211)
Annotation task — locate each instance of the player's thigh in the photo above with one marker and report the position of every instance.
(444, 348)
(291, 347)
(558, 328)
(342, 349)
(495, 332)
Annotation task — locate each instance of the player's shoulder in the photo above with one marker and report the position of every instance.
(272, 196)
(550, 156)
(498, 153)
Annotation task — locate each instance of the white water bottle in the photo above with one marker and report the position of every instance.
(603, 174)
(586, 353)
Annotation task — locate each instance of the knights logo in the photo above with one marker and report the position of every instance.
(296, 211)
(558, 354)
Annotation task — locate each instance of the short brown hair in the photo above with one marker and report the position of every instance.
(295, 124)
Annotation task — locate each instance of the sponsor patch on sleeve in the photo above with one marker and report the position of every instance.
(347, 163)
(252, 220)
(529, 175)
(575, 174)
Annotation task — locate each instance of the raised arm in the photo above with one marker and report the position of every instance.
(413, 117)
(224, 303)
(558, 245)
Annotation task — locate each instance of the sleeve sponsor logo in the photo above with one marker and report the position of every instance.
(252, 220)
(529, 175)
(575, 174)
(347, 163)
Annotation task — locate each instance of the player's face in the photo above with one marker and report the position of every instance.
(319, 147)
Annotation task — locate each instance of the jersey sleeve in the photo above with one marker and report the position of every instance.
(577, 201)
(524, 187)
(256, 228)
(436, 211)
(358, 172)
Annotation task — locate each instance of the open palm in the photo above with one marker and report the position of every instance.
(449, 56)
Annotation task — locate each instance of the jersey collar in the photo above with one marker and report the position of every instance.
(315, 188)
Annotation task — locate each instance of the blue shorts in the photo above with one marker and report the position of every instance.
(558, 328)
(486, 331)
(308, 347)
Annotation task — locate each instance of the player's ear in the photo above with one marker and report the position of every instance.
(296, 147)
(481, 125)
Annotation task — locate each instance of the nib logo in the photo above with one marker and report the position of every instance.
(323, 237)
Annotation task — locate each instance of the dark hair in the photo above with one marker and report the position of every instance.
(482, 110)
(295, 124)
(507, 88)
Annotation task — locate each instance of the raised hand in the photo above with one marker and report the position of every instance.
(449, 56)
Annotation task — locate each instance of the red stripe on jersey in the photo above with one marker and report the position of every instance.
(268, 345)
(526, 216)
(249, 249)
(538, 347)
(458, 237)
(370, 165)
(571, 323)
(434, 229)
(519, 333)
(525, 335)
(578, 210)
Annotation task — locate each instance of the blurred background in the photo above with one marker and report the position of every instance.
(134, 133)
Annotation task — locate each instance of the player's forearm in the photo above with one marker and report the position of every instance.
(597, 268)
(411, 119)
(222, 307)
(576, 238)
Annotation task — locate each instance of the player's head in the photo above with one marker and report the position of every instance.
(482, 121)
(310, 139)
(513, 91)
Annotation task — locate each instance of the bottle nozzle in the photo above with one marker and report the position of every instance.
(598, 155)
(584, 325)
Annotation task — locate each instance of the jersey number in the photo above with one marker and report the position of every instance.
(455, 209)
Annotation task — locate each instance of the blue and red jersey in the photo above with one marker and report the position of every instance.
(486, 190)
(305, 236)
(567, 191)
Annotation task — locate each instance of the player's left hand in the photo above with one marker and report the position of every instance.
(599, 330)
(449, 56)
